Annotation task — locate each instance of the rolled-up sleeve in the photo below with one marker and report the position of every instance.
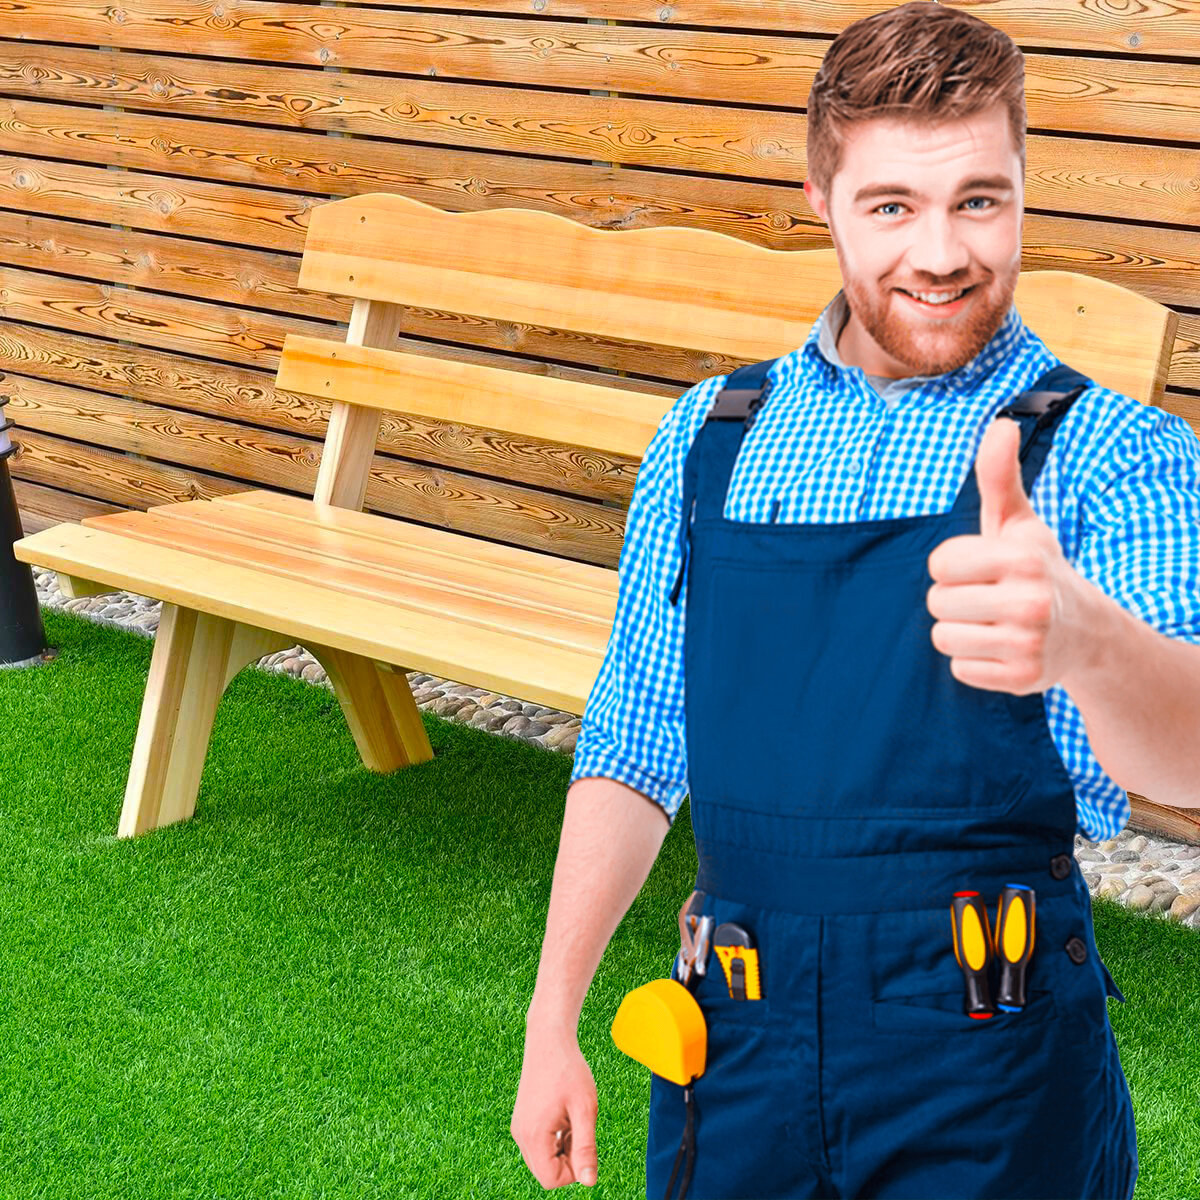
(633, 723)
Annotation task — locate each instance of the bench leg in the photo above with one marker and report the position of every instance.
(379, 708)
(195, 656)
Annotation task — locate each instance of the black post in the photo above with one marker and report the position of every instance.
(22, 638)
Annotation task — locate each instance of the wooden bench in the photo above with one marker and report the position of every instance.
(372, 597)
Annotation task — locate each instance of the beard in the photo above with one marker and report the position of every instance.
(930, 347)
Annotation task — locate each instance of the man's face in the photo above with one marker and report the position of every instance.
(921, 208)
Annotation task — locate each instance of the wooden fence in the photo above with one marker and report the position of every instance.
(159, 159)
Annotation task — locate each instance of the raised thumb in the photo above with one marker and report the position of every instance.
(1002, 495)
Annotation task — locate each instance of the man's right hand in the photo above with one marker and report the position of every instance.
(554, 1118)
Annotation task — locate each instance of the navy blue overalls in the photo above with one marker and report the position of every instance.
(844, 785)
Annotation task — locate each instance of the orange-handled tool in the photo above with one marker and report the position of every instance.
(1014, 943)
(973, 949)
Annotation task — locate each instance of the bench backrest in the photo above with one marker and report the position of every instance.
(689, 288)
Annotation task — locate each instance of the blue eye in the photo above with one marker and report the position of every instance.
(889, 204)
(985, 199)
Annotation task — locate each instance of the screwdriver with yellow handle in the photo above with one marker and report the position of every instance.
(973, 948)
(1014, 943)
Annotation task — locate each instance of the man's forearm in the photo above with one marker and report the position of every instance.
(1139, 694)
(611, 836)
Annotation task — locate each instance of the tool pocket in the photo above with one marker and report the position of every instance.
(712, 994)
(942, 1012)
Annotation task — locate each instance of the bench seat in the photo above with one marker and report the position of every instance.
(408, 596)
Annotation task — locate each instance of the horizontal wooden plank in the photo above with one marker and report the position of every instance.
(535, 267)
(1160, 264)
(1117, 97)
(1185, 358)
(612, 420)
(1089, 95)
(523, 266)
(469, 503)
(316, 520)
(166, 434)
(389, 563)
(1069, 174)
(761, 68)
(540, 671)
(1185, 405)
(762, 144)
(520, 603)
(110, 477)
(44, 507)
(1154, 28)
(238, 394)
(251, 337)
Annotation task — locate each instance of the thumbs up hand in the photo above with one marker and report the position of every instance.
(1007, 605)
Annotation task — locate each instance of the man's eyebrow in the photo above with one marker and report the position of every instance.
(991, 183)
(988, 183)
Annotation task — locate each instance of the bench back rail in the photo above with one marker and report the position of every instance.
(688, 288)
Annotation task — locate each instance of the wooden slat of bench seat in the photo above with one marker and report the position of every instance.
(442, 541)
(496, 598)
(388, 633)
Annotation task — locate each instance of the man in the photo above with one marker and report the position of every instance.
(859, 745)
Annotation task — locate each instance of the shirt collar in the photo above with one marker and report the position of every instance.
(1005, 344)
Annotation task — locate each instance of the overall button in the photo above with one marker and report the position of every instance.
(1077, 949)
(1060, 866)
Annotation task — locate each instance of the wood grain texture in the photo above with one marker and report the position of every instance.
(528, 266)
(79, 387)
(1149, 27)
(210, 162)
(308, 613)
(1086, 176)
(755, 130)
(470, 503)
(448, 49)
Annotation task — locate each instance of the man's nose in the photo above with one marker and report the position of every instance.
(937, 249)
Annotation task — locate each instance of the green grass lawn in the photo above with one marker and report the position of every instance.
(317, 987)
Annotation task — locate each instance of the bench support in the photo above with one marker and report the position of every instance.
(73, 587)
(195, 657)
(379, 708)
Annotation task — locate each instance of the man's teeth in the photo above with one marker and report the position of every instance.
(937, 297)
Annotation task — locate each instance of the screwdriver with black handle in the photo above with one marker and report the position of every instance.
(1014, 943)
(973, 948)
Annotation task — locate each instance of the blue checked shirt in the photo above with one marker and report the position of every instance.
(1120, 488)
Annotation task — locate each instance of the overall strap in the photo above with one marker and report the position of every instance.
(731, 415)
(1037, 410)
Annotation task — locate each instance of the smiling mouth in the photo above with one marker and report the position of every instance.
(935, 297)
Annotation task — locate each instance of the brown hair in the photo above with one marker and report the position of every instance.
(922, 60)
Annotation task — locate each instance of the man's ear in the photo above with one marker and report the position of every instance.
(816, 198)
